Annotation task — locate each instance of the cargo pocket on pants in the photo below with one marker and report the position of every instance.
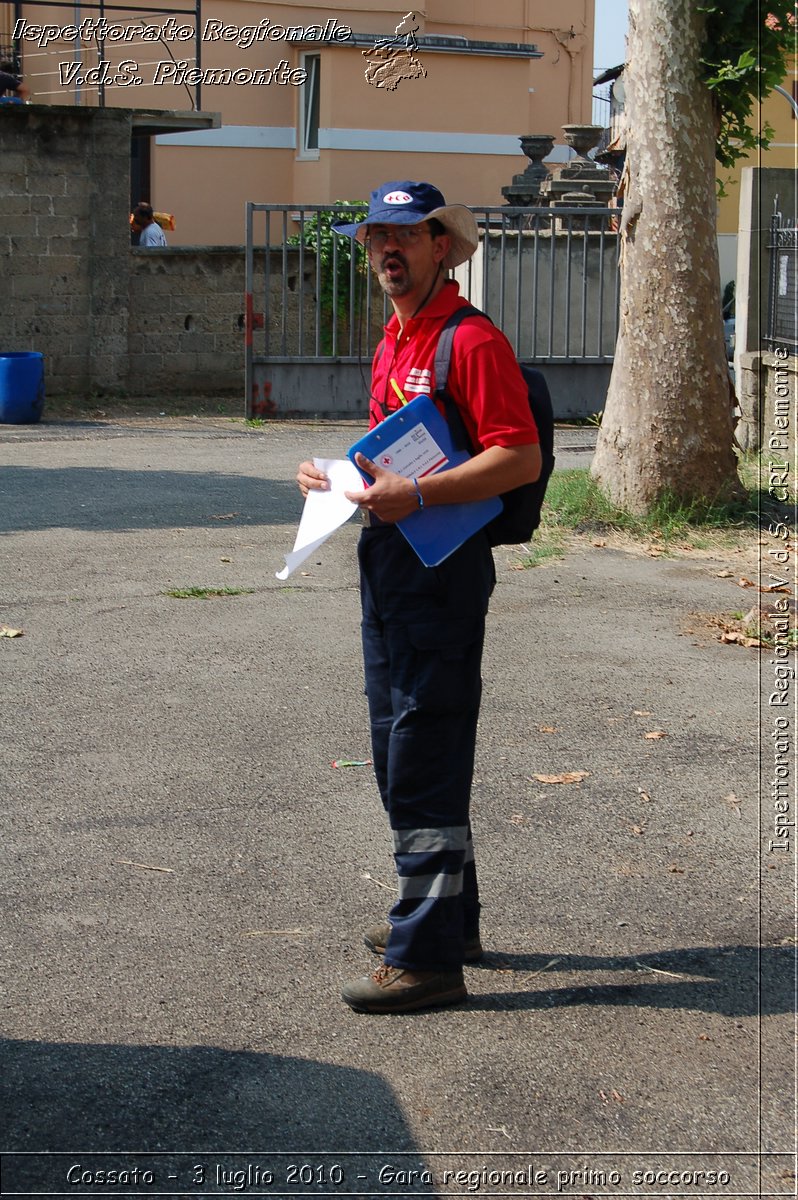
(447, 664)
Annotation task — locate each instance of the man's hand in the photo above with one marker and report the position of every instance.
(391, 497)
(310, 478)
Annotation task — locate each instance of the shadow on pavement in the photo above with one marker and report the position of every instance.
(738, 981)
(105, 498)
(118, 1107)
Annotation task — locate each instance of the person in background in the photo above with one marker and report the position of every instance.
(151, 233)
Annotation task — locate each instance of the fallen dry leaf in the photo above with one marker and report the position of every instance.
(566, 777)
(644, 795)
(723, 575)
(638, 830)
(642, 713)
(655, 733)
(5, 631)
(516, 819)
(735, 637)
(547, 728)
(743, 582)
(600, 543)
(675, 869)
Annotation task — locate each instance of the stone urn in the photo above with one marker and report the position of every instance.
(525, 189)
(582, 138)
(536, 146)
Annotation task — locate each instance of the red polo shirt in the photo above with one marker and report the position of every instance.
(484, 378)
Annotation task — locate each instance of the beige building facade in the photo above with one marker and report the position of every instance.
(318, 104)
(775, 111)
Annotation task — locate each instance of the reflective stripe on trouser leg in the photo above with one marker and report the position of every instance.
(430, 768)
(429, 865)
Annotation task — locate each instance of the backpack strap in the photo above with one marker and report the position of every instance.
(443, 358)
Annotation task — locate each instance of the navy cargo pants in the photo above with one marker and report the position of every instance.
(423, 630)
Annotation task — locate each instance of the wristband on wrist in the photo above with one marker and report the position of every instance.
(419, 497)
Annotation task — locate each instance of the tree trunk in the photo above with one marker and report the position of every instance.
(667, 427)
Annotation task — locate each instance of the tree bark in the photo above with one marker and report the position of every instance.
(667, 427)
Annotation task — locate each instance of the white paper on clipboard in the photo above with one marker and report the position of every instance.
(414, 454)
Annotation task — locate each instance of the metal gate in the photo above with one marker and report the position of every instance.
(782, 327)
(314, 312)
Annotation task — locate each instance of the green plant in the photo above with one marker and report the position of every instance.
(574, 501)
(205, 593)
(746, 48)
(341, 265)
(543, 549)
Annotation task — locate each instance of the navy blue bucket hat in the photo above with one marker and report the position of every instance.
(403, 202)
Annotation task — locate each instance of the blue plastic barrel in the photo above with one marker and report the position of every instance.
(21, 387)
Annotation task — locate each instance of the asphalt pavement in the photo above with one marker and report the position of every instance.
(187, 875)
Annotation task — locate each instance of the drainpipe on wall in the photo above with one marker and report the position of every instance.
(573, 43)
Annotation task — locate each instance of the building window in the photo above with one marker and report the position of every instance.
(309, 107)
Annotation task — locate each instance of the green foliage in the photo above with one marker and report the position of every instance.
(745, 55)
(341, 264)
(575, 502)
(206, 593)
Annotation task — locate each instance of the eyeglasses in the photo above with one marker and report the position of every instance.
(405, 235)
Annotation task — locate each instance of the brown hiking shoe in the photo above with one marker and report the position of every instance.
(377, 939)
(399, 990)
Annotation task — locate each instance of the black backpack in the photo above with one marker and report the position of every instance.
(520, 516)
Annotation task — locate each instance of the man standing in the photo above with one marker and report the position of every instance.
(423, 628)
(151, 233)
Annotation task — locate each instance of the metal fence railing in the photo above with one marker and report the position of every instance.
(782, 323)
(548, 277)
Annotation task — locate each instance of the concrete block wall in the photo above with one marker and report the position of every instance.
(186, 320)
(62, 237)
(108, 318)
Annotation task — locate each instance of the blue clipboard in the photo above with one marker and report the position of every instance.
(416, 442)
